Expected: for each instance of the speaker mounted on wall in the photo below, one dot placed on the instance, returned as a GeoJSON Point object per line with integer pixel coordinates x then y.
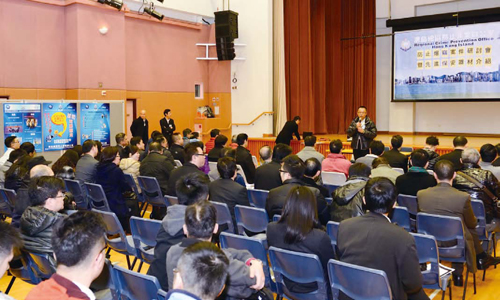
{"type": "Point", "coordinates": [226, 30]}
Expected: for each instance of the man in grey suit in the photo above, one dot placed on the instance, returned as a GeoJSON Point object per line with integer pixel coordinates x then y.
{"type": "Point", "coordinates": [445, 200]}
{"type": "Point", "coordinates": [309, 150]}
{"type": "Point", "coordinates": [376, 149]}
{"type": "Point", "coordinates": [86, 166]}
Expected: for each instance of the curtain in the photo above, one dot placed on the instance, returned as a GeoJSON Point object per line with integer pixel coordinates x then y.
{"type": "Point", "coordinates": [327, 78]}
{"type": "Point", "coordinates": [279, 86]}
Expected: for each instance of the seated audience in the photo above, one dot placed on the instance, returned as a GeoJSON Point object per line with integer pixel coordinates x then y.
{"type": "Point", "coordinates": [68, 159]}
{"type": "Point", "coordinates": [86, 166]}
{"type": "Point", "coordinates": [29, 148]}
{"type": "Point", "coordinates": [376, 150]}
{"type": "Point", "coordinates": [381, 168]}
{"type": "Point", "coordinates": [348, 199]}
{"type": "Point", "coordinates": [214, 174]}
{"type": "Point", "coordinates": [244, 157]}
{"type": "Point", "coordinates": [214, 133]}
{"type": "Point", "coordinates": [205, 168]}
{"type": "Point", "coordinates": [395, 158]}
{"type": "Point", "coordinates": [265, 154]}
{"type": "Point", "coordinates": [200, 223]}
{"type": "Point", "coordinates": [445, 200]}
{"type": "Point", "coordinates": [160, 139]}
{"type": "Point", "coordinates": [79, 150]}
{"type": "Point", "coordinates": [185, 136]}
{"type": "Point", "coordinates": [382, 245]}
{"type": "Point", "coordinates": [234, 142]}
{"type": "Point", "coordinates": [38, 160]}
{"type": "Point", "coordinates": [154, 134]}
{"type": "Point", "coordinates": [309, 151]}
{"type": "Point", "coordinates": [132, 165]}
{"type": "Point", "coordinates": [99, 150]}
{"type": "Point", "coordinates": [13, 157]}
{"type": "Point", "coordinates": [10, 241]}
{"type": "Point", "coordinates": [464, 182]}
{"type": "Point", "coordinates": [431, 144]}
{"type": "Point", "coordinates": [195, 159]}
{"type": "Point", "coordinates": [12, 143]}
{"type": "Point", "coordinates": [158, 166]}
{"type": "Point", "coordinates": [459, 143]}
{"type": "Point", "coordinates": [122, 145]}
{"type": "Point", "coordinates": [335, 161]}
{"type": "Point", "coordinates": [488, 155]}
{"type": "Point", "coordinates": [312, 176]}
{"type": "Point", "coordinates": [219, 143]}
{"type": "Point", "coordinates": [291, 172]}
{"type": "Point", "coordinates": [78, 244]}
{"type": "Point", "coordinates": [417, 177]}
{"type": "Point", "coordinates": [496, 162]}
{"type": "Point", "coordinates": [299, 230]}
{"type": "Point", "coordinates": [267, 176]}
{"type": "Point", "coordinates": [137, 141]}
{"type": "Point", "coordinates": [191, 188]}
{"type": "Point", "coordinates": [17, 175]}
{"type": "Point", "coordinates": [177, 147]}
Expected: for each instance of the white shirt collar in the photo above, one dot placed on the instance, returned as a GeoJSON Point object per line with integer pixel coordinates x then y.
{"type": "Point", "coordinates": [85, 290]}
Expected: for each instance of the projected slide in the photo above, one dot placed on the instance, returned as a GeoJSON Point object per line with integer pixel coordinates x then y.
{"type": "Point", "coordinates": [452, 63]}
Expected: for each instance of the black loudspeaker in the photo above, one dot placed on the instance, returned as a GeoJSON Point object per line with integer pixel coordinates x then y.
{"type": "Point", "coordinates": [226, 30]}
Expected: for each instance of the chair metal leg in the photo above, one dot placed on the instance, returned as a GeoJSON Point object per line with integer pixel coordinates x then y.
{"type": "Point", "coordinates": [145, 209]}
{"type": "Point", "coordinates": [140, 267]}
{"type": "Point", "coordinates": [128, 262]}
{"type": "Point", "coordinates": [107, 253]}
{"type": "Point", "coordinates": [442, 297]}
{"type": "Point", "coordinates": [11, 283]}
{"type": "Point", "coordinates": [133, 263]}
{"type": "Point", "coordinates": [466, 281]}
{"type": "Point", "coordinates": [484, 274]}
{"type": "Point", "coordinates": [450, 288]}
{"type": "Point", "coordinates": [474, 278]}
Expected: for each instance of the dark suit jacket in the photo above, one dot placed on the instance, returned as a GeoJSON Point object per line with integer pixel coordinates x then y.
{"type": "Point", "coordinates": [396, 159]}
{"type": "Point", "coordinates": [244, 159]}
{"type": "Point", "coordinates": [286, 134]}
{"type": "Point", "coordinates": [180, 172]}
{"type": "Point", "coordinates": [372, 241]}
{"type": "Point", "coordinates": [158, 166]}
{"type": "Point", "coordinates": [412, 182]}
{"type": "Point", "coordinates": [140, 128]}
{"type": "Point", "coordinates": [214, 154]}
{"type": "Point", "coordinates": [310, 182]}
{"type": "Point", "coordinates": [167, 128]}
{"type": "Point", "coordinates": [445, 200]}
{"type": "Point", "coordinates": [177, 152]}
{"type": "Point", "coordinates": [454, 157]}
{"type": "Point", "coordinates": [267, 177]}
{"type": "Point", "coordinates": [230, 192]}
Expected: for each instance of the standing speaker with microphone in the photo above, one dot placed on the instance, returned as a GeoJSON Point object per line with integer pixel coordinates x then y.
{"type": "Point", "coordinates": [226, 30]}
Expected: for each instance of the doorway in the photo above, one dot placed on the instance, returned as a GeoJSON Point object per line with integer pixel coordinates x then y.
{"type": "Point", "coordinates": [130, 115]}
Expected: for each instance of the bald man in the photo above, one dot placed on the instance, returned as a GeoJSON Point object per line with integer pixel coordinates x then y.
{"type": "Point", "coordinates": [140, 127]}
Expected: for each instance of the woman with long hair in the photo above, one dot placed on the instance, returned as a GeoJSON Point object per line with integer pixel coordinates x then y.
{"type": "Point", "coordinates": [299, 230]}
{"type": "Point", "coordinates": [18, 174]}
{"type": "Point", "coordinates": [69, 158]}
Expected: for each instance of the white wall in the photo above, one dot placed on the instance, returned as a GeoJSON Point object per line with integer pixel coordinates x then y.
{"type": "Point", "coordinates": [450, 117]}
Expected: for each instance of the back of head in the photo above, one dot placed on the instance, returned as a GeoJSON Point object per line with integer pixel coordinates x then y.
{"type": "Point", "coordinates": [72, 156]}
{"type": "Point", "coordinates": [14, 155]}
{"type": "Point", "coordinates": [294, 166]}
{"type": "Point", "coordinates": [460, 141]}
{"type": "Point", "coordinates": [281, 151]}
{"type": "Point", "coordinates": [43, 188]}
{"type": "Point", "coordinates": [336, 146]}
{"type": "Point", "coordinates": [377, 148]}
{"type": "Point", "coordinates": [190, 151]}
{"type": "Point", "coordinates": [203, 268]}
{"type": "Point", "coordinates": [8, 140]}
{"type": "Point", "coordinates": [119, 137]}
{"type": "Point", "coordinates": [214, 132]}
{"type": "Point", "coordinates": [154, 134]}
{"type": "Point", "coordinates": [310, 141]}
{"type": "Point", "coordinates": [220, 140]}
{"type": "Point", "coordinates": [312, 167]}
{"type": "Point", "coordinates": [226, 167]}
{"type": "Point", "coordinates": [234, 139]}
{"type": "Point", "coordinates": [432, 141]}
{"type": "Point", "coordinates": [419, 158]}
{"type": "Point", "coordinates": [136, 140]}
{"type": "Point", "coordinates": [133, 149]}
{"type": "Point", "coordinates": [28, 147]}
{"type": "Point", "coordinates": [186, 132]}
{"type": "Point", "coordinates": [379, 161]}
{"type": "Point", "coordinates": [296, 118]}
{"type": "Point", "coordinates": [192, 188]}
{"type": "Point", "coordinates": [359, 170]}
{"type": "Point", "coordinates": [380, 195]}
{"type": "Point", "coordinates": [79, 149]}
{"type": "Point", "coordinates": [155, 147]}
{"type": "Point", "coordinates": [265, 152]}
{"type": "Point", "coordinates": [109, 154]}
{"type": "Point", "coordinates": [194, 135]}
{"type": "Point", "coordinates": [200, 219]}
{"type": "Point", "coordinates": [228, 151]}
{"type": "Point", "coordinates": [88, 145]}
{"type": "Point", "coordinates": [176, 137]}
{"type": "Point", "coordinates": [9, 239]}
{"type": "Point", "coordinates": [241, 138]}
{"type": "Point", "coordinates": [75, 236]}
{"type": "Point", "coordinates": [40, 170]}
{"type": "Point", "coordinates": [300, 214]}
{"type": "Point", "coordinates": [470, 156]}
{"type": "Point", "coordinates": [444, 170]}
{"type": "Point", "coordinates": [488, 152]}
{"type": "Point", "coordinates": [159, 139]}
{"type": "Point", "coordinates": [396, 141]}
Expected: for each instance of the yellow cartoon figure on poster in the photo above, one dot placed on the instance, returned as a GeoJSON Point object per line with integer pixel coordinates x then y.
{"type": "Point", "coordinates": [59, 118]}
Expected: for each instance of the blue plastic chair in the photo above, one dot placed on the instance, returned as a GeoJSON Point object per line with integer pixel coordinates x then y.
{"type": "Point", "coordinates": [97, 197]}
{"type": "Point", "coordinates": [24, 272]}
{"type": "Point", "coordinates": [300, 268]}
{"type": "Point", "coordinates": [446, 229]}
{"type": "Point", "coordinates": [406, 149]}
{"type": "Point", "coordinates": [162, 295]}
{"type": "Point", "coordinates": [488, 238]}
{"type": "Point", "coordinates": [123, 244]}
{"type": "Point", "coordinates": [331, 188]}
{"type": "Point", "coordinates": [171, 200]}
{"type": "Point", "coordinates": [357, 282]}
{"type": "Point", "coordinates": [410, 202]}
{"type": "Point", "coordinates": [250, 219]}
{"type": "Point", "coordinates": [276, 218]}
{"type": "Point", "coordinates": [140, 197]}
{"type": "Point", "coordinates": [41, 265]}
{"type": "Point", "coordinates": [6, 204]}
{"type": "Point", "coordinates": [329, 200]}
{"type": "Point", "coordinates": [332, 229]}
{"type": "Point", "coordinates": [427, 251]}
{"type": "Point", "coordinates": [223, 216]}
{"type": "Point", "coordinates": [401, 217]}
{"type": "Point", "coordinates": [80, 194]}
{"type": "Point", "coordinates": [144, 234]}
{"type": "Point", "coordinates": [257, 198]}
{"type": "Point", "coordinates": [136, 286]}
{"type": "Point", "coordinates": [151, 191]}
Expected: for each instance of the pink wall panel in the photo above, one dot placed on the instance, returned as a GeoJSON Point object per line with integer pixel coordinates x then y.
{"type": "Point", "coordinates": [72, 70]}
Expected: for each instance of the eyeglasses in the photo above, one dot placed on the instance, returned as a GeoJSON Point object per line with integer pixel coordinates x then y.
{"type": "Point", "coordinates": [283, 171]}
{"type": "Point", "coordinates": [198, 154]}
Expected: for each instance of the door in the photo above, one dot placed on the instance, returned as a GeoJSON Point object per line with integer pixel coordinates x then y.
{"type": "Point", "coordinates": [130, 116]}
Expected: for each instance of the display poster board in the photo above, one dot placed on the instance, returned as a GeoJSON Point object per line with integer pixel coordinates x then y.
{"type": "Point", "coordinates": [95, 122]}
{"type": "Point", "coordinates": [24, 121]}
{"type": "Point", "coordinates": [59, 126]}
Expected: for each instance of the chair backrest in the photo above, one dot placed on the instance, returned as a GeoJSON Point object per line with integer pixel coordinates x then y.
{"type": "Point", "coordinates": [240, 171]}
{"type": "Point", "coordinates": [406, 149]}
{"type": "Point", "coordinates": [162, 295]}
{"type": "Point", "coordinates": [444, 229]}
{"type": "Point", "coordinates": [400, 170]}
{"type": "Point", "coordinates": [177, 163]}
{"type": "Point", "coordinates": [332, 229]}
{"type": "Point", "coordinates": [223, 215]}
{"type": "Point", "coordinates": [333, 178]}
{"type": "Point", "coordinates": [300, 268]}
{"type": "Point", "coordinates": [97, 197]}
{"type": "Point", "coordinates": [75, 188]}
{"type": "Point", "coordinates": [131, 182]}
{"type": "Point", "coordinates": [250, 218]}
{"type": "Point", "coordinates": [24, 270]}
{"type": "Point", "coordinates": [427, 251]}
{"type": "Point", "coordinates": [401, 217]}
{"type": "Point", "coordinates": [113, 228]}
{"type": "Point", "coordinates": [410, 202]}
{"type": "Point", "coordinates": [387, 148]}
{"type": "Point", "coordinates": [257, 198]}
{"type": "Point", "coordinates": [10, 195]}
{"type": "Point", "coordinates": [41, 265]}
{"type": "Point", "coordinates": [151, 190]}
{"type": "Point", "coordinates": [329, 200]}
{"type": "Point", "coordinates": [331, 188]}
{"type": "Point", "coordinates": [255, 161]}
{"type": "Point", "coordinates": [6, 206]}
{"type": "Point", "coordinates": [171, 200]}
{"type": "Point", "coordinates": [133, 285]}
{"type": "Point", "coordinates": [479, 212]}
{"type": "Point", "coordinates": [212, 165]}
{"type": "Point", "coordinates": [144, 231]}
{"type": "Point", "coordinates": [276, 218]}
{"type": "Point", "coordinates": [346, 278]}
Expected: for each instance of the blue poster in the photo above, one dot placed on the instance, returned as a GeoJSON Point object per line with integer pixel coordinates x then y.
{"type": "Point", "coordinates": [94, 120]}
{"type": "Point", "coordinates": [24, 121]}
{"type": "Point", "coordinates": [59, 126]}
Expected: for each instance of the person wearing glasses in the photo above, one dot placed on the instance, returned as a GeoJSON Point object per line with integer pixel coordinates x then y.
{"type": "Point", "coordinates": [12, 143]}
{"type": "Point", "coordinates": [194, 161]}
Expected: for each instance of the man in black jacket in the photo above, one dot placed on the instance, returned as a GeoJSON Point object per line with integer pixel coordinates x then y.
{"type": "Point", "coordinates": [312, 176]}
{"type": "Point", "coordinates": [167, 125]}
{"type": "Point", "coordinates": [290, 128]}
{"type": "Point", "coordinates": [395, 158]}
{"type": "Point", "coordinates": [244, 157]}
{"type": "Point", "coordinates": [417, 177]}
{"type": "Point", "coordinates": [140, 127]}
{"type": "Point", "coordinates": [195, 159]}
{"type": "Point", "coordinates": [158, 166]}
{"type": "Point", "coordinates": [267, 176]}
{"type": "Point", "coordinates": [177, 147]}
{"type": "Point", "coordinates": [362, 131]}
{"type": "Point", "coordinates": [459, 143]}
{"type": "Point", "coordinates": [219, 144]}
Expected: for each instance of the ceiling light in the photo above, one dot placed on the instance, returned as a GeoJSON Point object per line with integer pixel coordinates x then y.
{"type": "Point", "coordinates": [118, 4]}
{"type": "Point", "coordinates": [152, 12]}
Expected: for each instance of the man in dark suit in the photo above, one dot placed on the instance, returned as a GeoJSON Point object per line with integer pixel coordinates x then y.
{"type": "Point", "coordinates": [459, 143]}
{"type": "Point", "coordinates": [219, 144]}
{"type": "Point", "coordinates": [312, 175]}
{"type": "Point", "coordinates": [395, 158]}
{"type": "Point", "coordinates": [267, 176]}
{"type": "Point", "coordinates": [362, 131]}
{"type": "Point", "coordinates": [122, 144]}
{"type": "Point", "coordinates": [177, 147]}
{"type": "Point", "coordinates": [158, 166]}
{"type": "Point", "coordinates": [417, 177]}
{"type": "Point", "coordinates": [225, 189]}
{"type": "Point", "coordinates": [290, 128]}
{"type": "Point", "coordinates": [167, 126]}
{"type": "Point", "coordinates": [244, 157]}
{"type": "Point", "coordinates": [140, 127]}
{"type": "Point", "coordinates": [382, 245]}
{"type": "Point", "coordinates": [445, 200]}
{"type": "Point", "coordinates": [194, 160]}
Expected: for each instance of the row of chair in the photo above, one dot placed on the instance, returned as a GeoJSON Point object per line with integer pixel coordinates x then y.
{"type": "Point", "coordinates": [7, 201]}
